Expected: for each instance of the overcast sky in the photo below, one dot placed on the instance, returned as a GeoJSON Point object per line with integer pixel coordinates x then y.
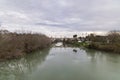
{"type": "Point", "coordinates": [60, 17]}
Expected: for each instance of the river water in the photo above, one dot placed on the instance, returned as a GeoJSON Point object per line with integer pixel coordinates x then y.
{"type": "Point", "coordinates": [63, 63]}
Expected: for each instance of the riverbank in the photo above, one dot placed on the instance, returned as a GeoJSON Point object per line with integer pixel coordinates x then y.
{"type": "Point", "coordinates": [109, 42]}
{"type": "Point", "coordinates": [115, 47]}
{"type": "Point", "coordinates": [79, 44]}
{"type": "Point", "coordinates": [15, 45]}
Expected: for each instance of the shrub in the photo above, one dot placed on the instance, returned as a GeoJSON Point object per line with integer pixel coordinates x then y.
{"type": "Point", "coordinates": [14, 45]}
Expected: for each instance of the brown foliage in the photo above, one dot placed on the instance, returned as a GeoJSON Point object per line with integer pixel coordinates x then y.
{"type": "Point", "coordinates": [110, 43]}
{"type": "Point", "coordinates": [114, 36]}
{"type": "Point", "coordinates": [13, 45]}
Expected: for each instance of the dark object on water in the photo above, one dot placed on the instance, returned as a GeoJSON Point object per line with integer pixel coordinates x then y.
{"type": "Point", "coordinates": [74, 50]}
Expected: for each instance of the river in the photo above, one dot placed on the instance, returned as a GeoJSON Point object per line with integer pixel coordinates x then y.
{"type": "Point", "coordinates": [63, 63]}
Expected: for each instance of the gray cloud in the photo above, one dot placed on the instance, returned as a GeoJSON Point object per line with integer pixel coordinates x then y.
{"type": "Point", "coordinates": [66, 15]}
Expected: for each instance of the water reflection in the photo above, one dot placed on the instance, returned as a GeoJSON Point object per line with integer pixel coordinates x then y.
{"type": "Point", "coordinates": [100, 57]}
{"type": "Point", "coordinates": [63, 63]}
{"type": "Point", "coordinates": [17, 69]}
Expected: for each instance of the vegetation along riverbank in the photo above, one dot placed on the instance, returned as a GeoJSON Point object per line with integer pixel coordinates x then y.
{"type": "Point", "coordinates": [109, 42]}
{"type": "Point", "coordinates": [14, 45]}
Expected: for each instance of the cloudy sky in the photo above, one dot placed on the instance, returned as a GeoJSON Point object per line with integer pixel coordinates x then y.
{"type": "Point", "coordinates": [60, 17]}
